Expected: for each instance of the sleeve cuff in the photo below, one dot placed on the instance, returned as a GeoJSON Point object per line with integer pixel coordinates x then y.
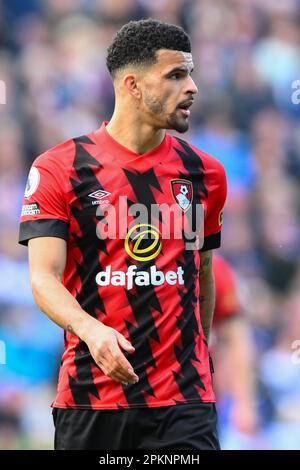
{"type": "Point", "coordinates": [211, 242]}
{"type": "Point", "coordinates": [42, 228]}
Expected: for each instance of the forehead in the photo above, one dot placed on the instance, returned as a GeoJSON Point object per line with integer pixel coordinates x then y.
{"type": "Point", "coordinates": [167, 58]}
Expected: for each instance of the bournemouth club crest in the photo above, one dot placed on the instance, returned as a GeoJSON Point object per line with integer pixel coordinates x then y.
{"type": "Point", "coordinates": [183, 193]}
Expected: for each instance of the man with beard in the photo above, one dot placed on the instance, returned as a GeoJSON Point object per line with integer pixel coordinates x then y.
{"type": "Point", "coordinates": [135, 373]}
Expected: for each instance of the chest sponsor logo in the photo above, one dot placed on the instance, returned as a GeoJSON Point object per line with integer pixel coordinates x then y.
{"type": "Point", "coordinates": [142, 243]}
{"type": "Point", "coordinates": [132, 276]}
{"type": "Point", "coordinates": [183, 193]}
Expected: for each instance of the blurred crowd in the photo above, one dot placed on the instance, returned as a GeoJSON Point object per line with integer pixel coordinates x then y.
{"type": "Point", "coordinates": [247, 57]}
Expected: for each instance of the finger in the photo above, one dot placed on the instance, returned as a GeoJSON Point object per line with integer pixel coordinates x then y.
{"type": "Point", "coordinates": [122, 365]}
{"type": "Point", "coordinates": [106, 371]}
{"type": "Point", "coordinates": [130, 376]}
{"type": "Point", "coordinates": [119, 360]}
{"type": "Point", "coordinates": [114, 374]}
{"type": "Point", "coordinates": [112, 358]}
{"type": "Point", "coordinates": [124, 343]}
{"type": "Point", "coordinates": [119, 378]}
{"type": "Point", "coordinates": [110, 364]}
{"type": "Point", "coordinates": [117, 365]}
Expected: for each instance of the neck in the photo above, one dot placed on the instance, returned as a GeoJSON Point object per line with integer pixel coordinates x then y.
{"type": "Point", "coordinates": [133, 134]}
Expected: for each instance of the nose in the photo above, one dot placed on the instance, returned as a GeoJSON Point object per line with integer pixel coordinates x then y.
{"type": "Point", "coordinates": [191, 87]}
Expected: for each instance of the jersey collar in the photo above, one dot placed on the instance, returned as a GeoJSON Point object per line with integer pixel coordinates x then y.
{"type": "Point", "coordinates": [122, 153]}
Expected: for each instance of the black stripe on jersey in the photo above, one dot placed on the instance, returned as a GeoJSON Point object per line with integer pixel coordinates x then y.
{"type": "Point", "coordinates": [83, 384]}
{"type": "Point", "coordinates": [188, 326]}
{"type": "Point", "coordinates": [42, 228]}
{"type": "Point", "coordinates": [141, 185]}
{"type": "Point", "coordinates": [195, 168]}
{"type": "Point", "coordinates": [195, 173]}
{"type": "Point", "coordinates": [187, 321]}
{"type": "Point", "coordinates": [88, 297]}
{"type": "Point", "coordinates": [87, 241]}
{"type": "Point", "coordinates": [143, 300]}
{"type": "Point", "coordinates": [192, 161]}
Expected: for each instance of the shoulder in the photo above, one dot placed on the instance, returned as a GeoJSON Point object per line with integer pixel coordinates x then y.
{"type": "Point", "coordinates": [59, 156]}
{"type": "Point", "coordinates": [208, 161]}
{"type": "Point", "coordinates": [53, 167]}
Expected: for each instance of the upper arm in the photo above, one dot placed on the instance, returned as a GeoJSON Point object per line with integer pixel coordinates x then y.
{"type": "Point", "coordinates": [47, 255]}
{"type": "Point", "coordinates": [44, 221]}
{"type": "Point", "coordinates": [45, 206]}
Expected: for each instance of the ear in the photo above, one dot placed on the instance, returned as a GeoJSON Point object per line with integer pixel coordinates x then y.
{"type": "Point", "coordinates": [132, 86]}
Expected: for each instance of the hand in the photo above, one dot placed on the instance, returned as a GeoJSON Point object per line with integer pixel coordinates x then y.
{"type": "Point", "coordinates": [244, 418]}
{"type": "Point", "coordinates": [104, 344]}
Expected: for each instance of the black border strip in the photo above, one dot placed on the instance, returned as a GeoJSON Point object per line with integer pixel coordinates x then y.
{"type": "Point", "coordinates": [211, 242]}
{"type": "Point", "coordinates": [42, 228]}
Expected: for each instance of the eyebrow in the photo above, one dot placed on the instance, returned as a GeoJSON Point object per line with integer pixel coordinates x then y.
{"type": "Point", "coordinates": [180, 69]}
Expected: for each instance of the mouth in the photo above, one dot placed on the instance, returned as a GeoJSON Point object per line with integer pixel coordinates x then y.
{"type": "Point", "coordinates": [184, 107]}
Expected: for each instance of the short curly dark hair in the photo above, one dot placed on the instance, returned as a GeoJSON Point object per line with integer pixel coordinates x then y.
{"type": "Point", "coordinates": [137, 42]}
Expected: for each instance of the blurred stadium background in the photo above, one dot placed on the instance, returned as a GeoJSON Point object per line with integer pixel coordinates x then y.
{"type": "Point", "coordinates": [247, 56]}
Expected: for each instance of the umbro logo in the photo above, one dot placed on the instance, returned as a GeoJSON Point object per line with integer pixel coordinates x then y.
{"type": "Point", "coordinates": [99, 196]}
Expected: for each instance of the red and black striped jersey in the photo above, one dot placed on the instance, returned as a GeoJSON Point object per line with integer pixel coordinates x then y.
{"type": "Point", "coordinates": [137, 275]}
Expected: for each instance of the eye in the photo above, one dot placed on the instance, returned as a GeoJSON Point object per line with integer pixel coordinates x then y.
{"type": "Point", "coordinates": [176, 76]}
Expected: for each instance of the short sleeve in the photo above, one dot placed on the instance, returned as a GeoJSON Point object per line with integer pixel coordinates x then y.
{"type": "Point", "coordinates": [213, 219]}
{"type": "Point", "coordinates": [44, 210]}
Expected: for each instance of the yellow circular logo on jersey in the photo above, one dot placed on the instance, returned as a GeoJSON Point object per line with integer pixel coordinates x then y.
{"type": "Point", "coordinates": [142, 242]}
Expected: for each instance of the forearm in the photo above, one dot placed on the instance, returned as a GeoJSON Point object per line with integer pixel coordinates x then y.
{"type": "Point", "coordinates": [234, 333]}
{"type": "Point", "coordinates": [47, 261]}
{"type": "Point", "coordinates": [60, 306]}
{"type": "Point", "coordinates": [241, 360]}
{"type": "Point", "coordinates": [207, 291]}
{"type": "Point", "coordinates": [207, 303]}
